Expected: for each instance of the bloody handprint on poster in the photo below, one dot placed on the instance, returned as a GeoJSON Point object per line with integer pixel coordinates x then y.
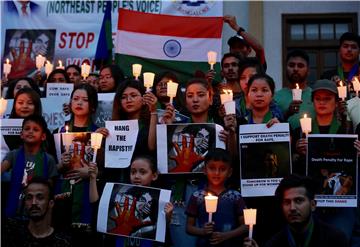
{"type": "Point", "coordinates": [182, 147]}
{"type": "Point", "coordinates": [133, 211]}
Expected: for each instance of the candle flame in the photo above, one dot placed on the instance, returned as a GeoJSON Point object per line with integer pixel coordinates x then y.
{"type": "Point", "coordinates": [305, 115]}
{"type": "Point", "coordinates": [47, 62]}
{"type": "Point", "coordinates": [341, 84]}
{"type": "Point", "coordinates": [356, 79]}
{"type": "Point", "coordinates": [67, 129]}
{"type": "Point", "coordinates": [60, 63]}
{"type": "Point", "coordinates": [7, 61]}
{"type": "Point", "coordinates": [297, 86]}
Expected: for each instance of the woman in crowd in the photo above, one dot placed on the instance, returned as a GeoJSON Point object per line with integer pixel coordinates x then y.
{"type": "Point", "coordinates": [110, 77]}
{"type": "Point", "coordinates": [74, 73]}
{"type": "Point", "coordinates": [20, 83]}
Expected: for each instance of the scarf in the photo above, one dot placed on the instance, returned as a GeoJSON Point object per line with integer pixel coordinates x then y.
{"type": "Point", "coordinates": [334, 127]}
{"type": "Point", "coordinates": [17, 174]}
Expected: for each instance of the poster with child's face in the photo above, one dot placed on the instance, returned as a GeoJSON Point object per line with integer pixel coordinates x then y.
{"type": "Point", "coordinates": [134, 211]}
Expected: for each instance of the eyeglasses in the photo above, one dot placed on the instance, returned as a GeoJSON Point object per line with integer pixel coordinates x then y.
{"type": "Point", "coordinates": [130, 97]}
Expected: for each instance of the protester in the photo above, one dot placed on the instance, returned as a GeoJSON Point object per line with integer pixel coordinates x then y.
{"type": "Point", "coordinates": [110, 78]}
{"type": "Point", "coordinates": [20, 83]}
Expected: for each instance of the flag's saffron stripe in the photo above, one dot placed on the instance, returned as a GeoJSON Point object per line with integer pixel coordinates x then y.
{"type": "Point", "coordinates": [157, 24]}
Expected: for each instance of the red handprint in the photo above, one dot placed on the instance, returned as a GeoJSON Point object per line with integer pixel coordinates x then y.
{"type": "Point", "coordinates": [126, 221]}
{"type": "Point", "coordinates": [185, 158]}
{"type": "Point", "coordinates": [22, 63]}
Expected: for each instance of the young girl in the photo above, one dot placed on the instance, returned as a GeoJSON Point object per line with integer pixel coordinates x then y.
{"type": "Point", "coordinates": [132, 103]}
{"type": "Point", "coordinates": [143, 171]}
{"type": "Point", "coordinates": [110, 77]}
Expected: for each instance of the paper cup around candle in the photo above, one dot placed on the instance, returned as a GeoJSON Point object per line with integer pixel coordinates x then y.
{"type": "Point", "coordinates": [305, 123]}
{"type": "Point", "coordinates": [230, 107]}
{"type": "Point", "coordinates": [67, 139]}
{"type": "Point", "coordinates": [96, 139]}
{"type": "Point", "coordinates": [172, 89]}
{"type": "Point", "coordinates": [296, 93]}
{"type": "Point", "coordinates": [212, 58]}
{"type": "Point", "coordinates": [250, 216]}
{"type": "Point", "coordinates": [148, 80]}
{"type": "Point", "coordinates": [356, 84]}
{"type": "Point", "coordinates": [7, 67]}
{"type": "Point", "coordinates": [3, 105]}
{"type": "Point", "coordinates": [48, 68]}
{"type": "Point", "coordinates": [85, 70]}
{"type": "Point", "coordinates": [342, 91]}
{"type": "Point", "coordinates": [211, 203]}
{"type": "Point", "coordinates": [136, 69]}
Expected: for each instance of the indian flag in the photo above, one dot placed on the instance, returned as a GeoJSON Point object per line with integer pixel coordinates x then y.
{"type": "Point", "coordinates": [166, 42]}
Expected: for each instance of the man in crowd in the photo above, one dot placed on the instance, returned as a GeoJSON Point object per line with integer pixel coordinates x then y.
{"type": "Point", "coordinates": [296, 195]}
{"type": "Point", "coordinates": [297, 71]}
{"type": "Point", "coordinates": [37, 230]}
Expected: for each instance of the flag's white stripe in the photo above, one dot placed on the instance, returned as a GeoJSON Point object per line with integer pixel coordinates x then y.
{"type": "Point", "coordinates": [152, 46]}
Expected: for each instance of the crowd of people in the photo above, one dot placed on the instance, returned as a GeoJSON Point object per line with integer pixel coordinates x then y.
{"type": "Point", "coordinates": [48, 201]}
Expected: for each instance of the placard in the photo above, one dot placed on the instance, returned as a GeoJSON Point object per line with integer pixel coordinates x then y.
{"type": "Point", "coordinates": [181, 148]}
{"type": "Point", "coordinates": [104, 110]}
{"type": "Point", "coordinates": [133, 211]}
{"type": "Point", "coordinates": [262, 164]}
{"type": "Point", "coordinates": [332, 162]}
{"type": "Point", "coordinates": [59, 90]}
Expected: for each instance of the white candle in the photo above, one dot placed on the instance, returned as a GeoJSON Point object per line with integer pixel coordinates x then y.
{"type": "Point", "coordinates": [148, 80]}
{"type": "Point", "coordinates": [296, 93]}
{"type": "Point", "coordinates": [60, 65]}
{"type": "Point", "coordinates": [7, 68]}
{"type": "Point", "coordinates": [67, 138]}
{"type": "Point", "coordinates": [305, 123]}
{"type": "Point", "coordinates": [136, 69]}
{"type": "Point", "coordinates": [85, 70]}
{"type": "Point", "coordinates": [48, 68]}
{"type": "Point", "coordinates": [171, 90]}
{"type": "Point", "coordinates": [250, 219]}
{"type": "Point", "coordinates": [356, 84]}
{"type": "Point", "coordinates": [40, 60]}
{"type": "Point", "coordinates": [3, 105]}
{"type": "Point", "coordinates": [96, 139]}
{"type": "Point", "coordinates": [342, 91]}
{"type": "Point", "coordinates": [226, 96]}
{"type": "Point", "coordinates": [211, 59]}
{"type": "Point", "coordinates": [211, 205]}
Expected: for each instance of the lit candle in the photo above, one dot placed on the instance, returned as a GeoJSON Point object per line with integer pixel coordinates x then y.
{"type": "Point", "coordinates": [96, 139]}
{"type": "Point", "coordinates": [85, 70]}
{"type": "Point", "coordinates": [211, 205]}
{"type": "Point", "coordinates": [48, 68]}
{"type": "Point", "coordinates": [250, 219]}
{"type": "Point", "coordinates": [296, 93]}
{"type": "Point", "coordinates": [305, 123]}
{"type": "Point", "coordinates": [7, 68]}
{"type": "Point", "coordinates": [148, 80]}
{"type": "Point", "coordinates": [67, 138]}
{"type": "Point", "coordinates": [136, 69]}
{"type": "Point", "coordinates": [40, 60]}
{"type": "Point", "coordinates": [342, 91]}
{"type": "Point", "coordinates": [3, 105]}
{"type": "Point", "coordinates": [226, 96]}
{"type": "Point", "coordinates": [211, 59]}
{"type": "Point", "coordinates": [356, 84]}
{"type": "Point", "coordinates": [60, 65]}
{"type": "Point", "coordinates": [171, 90]}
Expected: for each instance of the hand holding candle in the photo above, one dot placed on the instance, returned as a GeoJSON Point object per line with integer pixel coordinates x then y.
{"type": "Point", "coordinates": [296, 93]}
{"type": "Point", "coordinates": [211, 205]}
{"type": "Point", "coordinates": [171, 90]}
{"type": "Point", "coordinates": [40, 60]}
{"type": "Point", "coordinates": [96, 139]}
{"type": "Point", "coordinates": [136, 69]}
{"type": "Point", "coordinates": [212, 59]}
{"type": "Point", "coordinates": [148, 80]}
{"type": "Point", "coordinates": [342, 91]}
{"type": "Point", "coordinates": [250, 219]}
{"type": "Point", "coordinates": [305, 124]}
{"type": "Point", "coordinates": [7, 68]}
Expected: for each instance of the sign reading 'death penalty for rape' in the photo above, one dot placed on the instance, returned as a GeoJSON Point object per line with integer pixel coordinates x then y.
{"type": "Point", "coordinates": [120, 144]}
{"type": "Point", "coordinates": [332, 160]}
{"type": "Point", "coordinates": [265, 158]}
{"type": "Point", "coordinates": [181, 148]}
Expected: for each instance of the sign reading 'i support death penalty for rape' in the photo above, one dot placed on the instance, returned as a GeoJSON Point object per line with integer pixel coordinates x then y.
{"type": "Point", "coordinates": [120, 144]}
